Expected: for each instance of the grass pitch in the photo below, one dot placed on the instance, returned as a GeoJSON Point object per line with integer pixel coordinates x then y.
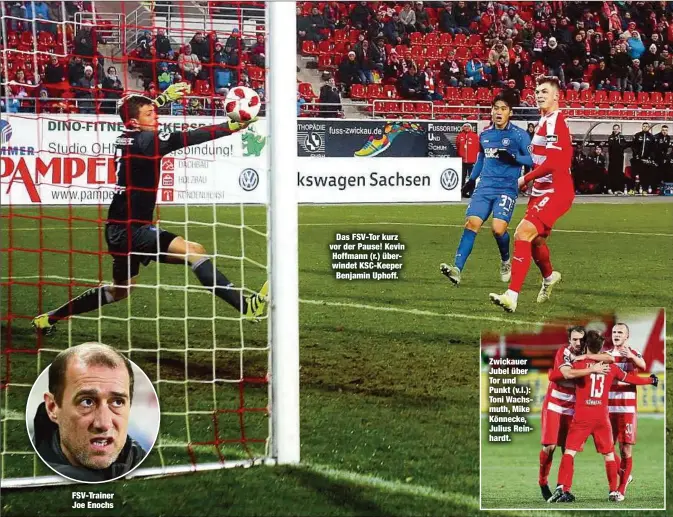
{"type": "Point", "coordinates": [509, 472]}
{"type": "Point", "coordinates": [389, 370]}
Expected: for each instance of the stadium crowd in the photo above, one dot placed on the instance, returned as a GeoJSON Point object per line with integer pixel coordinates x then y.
{"type": "Point", "coordinates": [433, 51]}
{"type": "Point", "coordinates": [69, 73]}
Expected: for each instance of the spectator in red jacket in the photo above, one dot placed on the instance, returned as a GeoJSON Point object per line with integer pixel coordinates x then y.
{"type": "Point", "coordinates": [467, 143]}
{"type": "Point", "coordinates": [257, 55]}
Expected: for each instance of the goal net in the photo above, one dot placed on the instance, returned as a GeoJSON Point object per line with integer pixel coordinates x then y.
{"type": "Point", "coordinates": [211, 369]}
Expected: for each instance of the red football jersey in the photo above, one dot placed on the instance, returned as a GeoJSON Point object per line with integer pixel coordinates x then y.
{"type": "Point", "coordinates": [623, 396]}
{"type": "Point", "coordinates": [552, 143]}
{"type": "Point", "coordinates": [591, 392]}
{"type": "Point", "coordinates": [560, 396]}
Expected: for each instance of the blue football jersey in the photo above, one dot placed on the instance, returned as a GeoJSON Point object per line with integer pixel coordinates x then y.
{"type": "Point", "coordinates": [495, 173]}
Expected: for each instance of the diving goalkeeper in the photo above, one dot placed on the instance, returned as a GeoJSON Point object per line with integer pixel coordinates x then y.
{"type": "Point", "coordinates": [131, 237]}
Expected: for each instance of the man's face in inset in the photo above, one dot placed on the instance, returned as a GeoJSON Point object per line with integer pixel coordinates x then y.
{"type": "Point", "coordinates": [575, 341]}
{"type": "Point", "coordinates": [620, 335]}
{"type": "Point", "coordinates": [94, 413]}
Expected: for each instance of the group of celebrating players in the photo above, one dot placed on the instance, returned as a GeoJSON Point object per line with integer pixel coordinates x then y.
{"type": "Point", "coordinates": [591, 392]}
{"type": "Point", "coordinates": [504, 150]}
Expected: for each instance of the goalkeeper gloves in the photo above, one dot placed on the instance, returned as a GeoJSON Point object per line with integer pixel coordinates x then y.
{"type": "Point", "coordinates": [655, 380]}
{"type": "Point", "coordinates": [237, 126]}
{"type": "Point", "coordinates": [173, 93]}
{"type": "Point", "coordinates": [507, 157]}
{"type": "Point", "coordinates": [468, 188]}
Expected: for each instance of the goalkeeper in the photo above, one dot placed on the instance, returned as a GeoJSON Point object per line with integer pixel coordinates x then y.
{"type": "Point", "coordinates": [131, 237]}
{"type": "Point", "coordinates": [503, 149]}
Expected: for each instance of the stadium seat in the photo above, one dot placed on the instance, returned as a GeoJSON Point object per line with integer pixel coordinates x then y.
{"type": "Point", "coordinates": [340, 35]}
{"type": "Point", "coordinates": [614, 97]}
{"type": "Point", "coordinates": [308, 48]}
{"type": "Point", "coordinates": [452, 93]}
{"type": "Point", "coordinates": [306, 91]}
{"type": "Point", "coordinates": [643, 98]}
{"type": "Point", "coordinates": [431, 38]}
{"type": "Point", "coordinates": [668, 99]}
{"type": "Point", "coordinates": [256, 73]}
{"type": "Point", "coordinates": [416, 38]}
{"type": "Point", "coordinates": [390, 91]}
{"type": "Point", "coordinates": [601, 96]}
{"type": "Point", "coordinates": [587, 96]}
{"type": "Point", "coordinates": [656, 98]}
{"type": "Point", "coordinates": [326, 62]}
{"type": "Point", "coordinates": [445, 39]}
{"type": "Point", "coordinates": [629, 98]}
{"type": "Point", "coordinates": [353, 35]}
{"type": "Point", "coordinates": [202, 87]}
{"type": "Point", "coordinates": [572, 96]}
{"type": "Point", "coordinates": [325, 47]}
{"type": "Point", "coordinates": [388, 108]}
{"type": "Point", "coordinates": [460, 40]}
{"type": "Point", "coordinates": [468, 96]}
{"type": "Point", "coordinates": [474, 40]}
{"type": "Point", "coordinates": [432, 52]}
{"type": "Point", "coordinates": [375, 91]}
{"type": "Point", "coordinates": [417, 53]}
{"type": "Point", "coordinates": [358, 92]}
{"type": "Point", "coordinates": [484, 96]}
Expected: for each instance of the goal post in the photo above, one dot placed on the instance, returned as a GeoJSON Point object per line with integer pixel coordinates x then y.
{"type": "Point", "coordinates": [283, 232]}
{"type": "Point", "coordinates": [228, 390]}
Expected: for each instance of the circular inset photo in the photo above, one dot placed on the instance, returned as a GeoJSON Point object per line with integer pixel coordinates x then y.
{"type": "Point", "coordinates": [92, 415]}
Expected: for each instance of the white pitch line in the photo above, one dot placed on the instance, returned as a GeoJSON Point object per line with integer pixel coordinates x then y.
{"type": "Point", "coordinates": [419, 312]}
{"type": "Point", "coordinates": [381, 223]}
{"type": "Point", "coordinates": [396, 487]}
{"type": "Point", "coordinates": [443, 225]}
{"type": "Point", "coordinates": [415, 312]}
{"type": "Point", "coordinates": [413, 490]}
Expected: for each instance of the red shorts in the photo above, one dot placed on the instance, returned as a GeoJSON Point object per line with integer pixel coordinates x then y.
{"type": "Point", "coordinates": [601, 430]}
{"type": "Point", "coordinates": [624, 427]}
{"type": "Point", "coordinates": [543, 211]}
{"type": "Point", "coordinates": [554, 427]}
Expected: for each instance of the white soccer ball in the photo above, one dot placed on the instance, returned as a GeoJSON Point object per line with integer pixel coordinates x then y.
{"type": "Point", "coordinates": [242, 104]}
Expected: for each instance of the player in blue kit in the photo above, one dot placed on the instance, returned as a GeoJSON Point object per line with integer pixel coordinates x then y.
{"type": "Point", "coordinates": [503, 149]}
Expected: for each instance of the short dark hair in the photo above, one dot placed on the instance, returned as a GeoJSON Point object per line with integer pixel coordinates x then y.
{"type": "Point", "coordinates": [622, 324]}
{"type": "Point", "coordinates": [594, 341]}
{"type": "Point", "coordinates": [506, 97]}
{"type": "Point", "coordinates": [92, 354]}
{"type": "Point", "coordinates": [576, 328]}
{"type": "Point", "coordinates": [549, 79]}
{"type": "Point", "coordinates": [664, 126]}
{"type": "Point", "coordinates": [129, 106]}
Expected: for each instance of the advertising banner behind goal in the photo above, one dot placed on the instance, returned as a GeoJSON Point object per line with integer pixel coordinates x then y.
{"type": "Point", "coordinates": [59, 161]}
{"type": "Point", "coordinates": [384, 180]}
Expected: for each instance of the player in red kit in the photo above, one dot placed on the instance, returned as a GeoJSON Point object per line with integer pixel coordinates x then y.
{"type": "Point", "coordinates": [552, 196]}
{"type": "Point", "coordinates": [559, 403]}
{"type": "Point", "coordinates": [591, 419]}
{"type": "Point", "coordinates": [623, 403]}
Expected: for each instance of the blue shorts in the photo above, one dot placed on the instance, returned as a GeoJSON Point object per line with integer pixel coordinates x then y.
{"type": "Point", "coordinates": [484, 203]}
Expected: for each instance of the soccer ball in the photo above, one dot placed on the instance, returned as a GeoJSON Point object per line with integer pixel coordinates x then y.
{"type": "Point", "coordinates": [242, 104]}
